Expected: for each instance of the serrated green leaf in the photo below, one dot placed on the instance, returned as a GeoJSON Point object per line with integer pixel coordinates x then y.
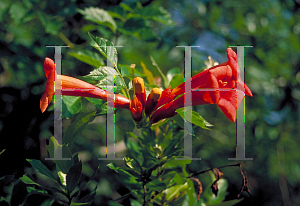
{"type": "Point", "coordinates": [75, 129]}
{"type": "Point", "coordinates": [63, 165]}
{"type": "Point", "coordinates": [73, 176]}
{"type": "Point", "coordinates": [193, 117]}
{"type": "Point", "coordinates": [101, 73]}
{"type": "Point", "coordinates": [105, 47]}
{"type": "Point", "coordinates": [99, 16]}
{"type": "Point", "coordinates": [38, 166]}
{"type": "Point", "coordinates": [70, 106]}
{"type": "Point", "coordinates": [88, 57]}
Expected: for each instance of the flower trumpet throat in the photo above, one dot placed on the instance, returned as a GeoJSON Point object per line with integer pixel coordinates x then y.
{"type": "Point", "coordinates": [75, 87]}
{"type": "Point", "coordinates": [152, 100]}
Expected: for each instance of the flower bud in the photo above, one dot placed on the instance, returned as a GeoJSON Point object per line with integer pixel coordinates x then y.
{"type": "Point", "coordinates": [152, 100]}
{"type": "Point", "coordinates": [136, 109]}
{"type": "Point", "coordinates": [139, 89]}
{"type": "Point", "coordinates": [138, 85]}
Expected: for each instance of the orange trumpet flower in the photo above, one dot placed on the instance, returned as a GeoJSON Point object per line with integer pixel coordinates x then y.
{"type": "Point", "coordinates": [222, 76]}
{"type": "Point", "coordinates": [84, 89]}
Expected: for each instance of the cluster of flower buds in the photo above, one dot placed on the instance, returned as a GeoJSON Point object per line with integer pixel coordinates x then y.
{"type": "Point", "coordinates": [139, 105]}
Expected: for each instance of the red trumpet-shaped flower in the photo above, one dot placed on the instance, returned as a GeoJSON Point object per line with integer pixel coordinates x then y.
{"type": "Point", "coordinates": [75, 87]}
{"type": "Point", "coordinates": [222, 76]}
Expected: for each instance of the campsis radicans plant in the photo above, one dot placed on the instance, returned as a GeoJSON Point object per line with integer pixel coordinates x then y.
{"type": "Point", "coordinates": [162, 104]}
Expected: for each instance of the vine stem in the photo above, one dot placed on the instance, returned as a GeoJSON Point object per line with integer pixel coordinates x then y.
{"type": "Point", "coordinates": [144, 188]}
{"type": "Point", "coordinates": [198, 173]}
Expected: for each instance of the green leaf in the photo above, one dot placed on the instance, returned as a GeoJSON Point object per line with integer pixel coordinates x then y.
{"type": "Point", "coordinates": [126, 174]}
{"type": "Point", "coordinates": [121, 170]}
{"type": "Point", "coordinates": [126, 7]}
{"type": "Point", "coordinates": [178, 120]}
{"type": "Point", "coordinates": [101, 73]}
{"type": "Point", "coordinates": [166, 82]}
{"type": "Point", "coordinates": [171, 163]}
{"type": "Point", "coordinates": [17, 12]}
{"type": "Point", "coordinates": [158, 14]}
{"type": "Point", "coordinates": [104, 46]}
{"type": "Point", "coordinates": [71, 106]}
{"type": "Point", "coordinates": [164, 18]}
{"type": "Point", "coordinates": [4, 5]}
{"type": "Point", "coordinates": [63, 165]}
{"type": "Point", "coordinates": [34, 190]}
{"type": "Point", "coordinates": [53, 26]}
{"type": "Point", "coordinates": [73, 176]}
{"type": "Point", "coordinates": [175, 191]}
{"type": "Point", "coordinates": [156, 185]}
{"type": "Point", "coordinates": [194, 117]}
{"type": "Point", "coordinates": [135, 203]}
{"type": "Point", "coordinates": [97, 102]}
{"type": "Point", "coordinates": [116, 15]}
{"type": "Point", "coordinates": [75, 129]}
{"type": "Point", "coordinates": [172, 72]}
{"type": "Point", "coordinates": [191, 198]}
{"type": "Point", "coordinates": [177, 80]}
{"type": "Point", "coordinates": [222, 186]}
{"type": "Point", "coordinates": [62, 177]}
{"type": "Point", "coordinates": [38, 166]}
{"type": "Point", "coordinates": [88, 57]}
{"type": "Point", "coordinates": [99, 16]}
{"type": "Point", "coordinates": [80, 203]}
{"type": "Point", "coordinates": [48, 202]}
{"type": "Point", "coordinates": [28, 181]}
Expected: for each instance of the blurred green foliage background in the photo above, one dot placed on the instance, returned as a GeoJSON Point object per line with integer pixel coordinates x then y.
{"type": "Point", "coordinates": [155, 28]}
